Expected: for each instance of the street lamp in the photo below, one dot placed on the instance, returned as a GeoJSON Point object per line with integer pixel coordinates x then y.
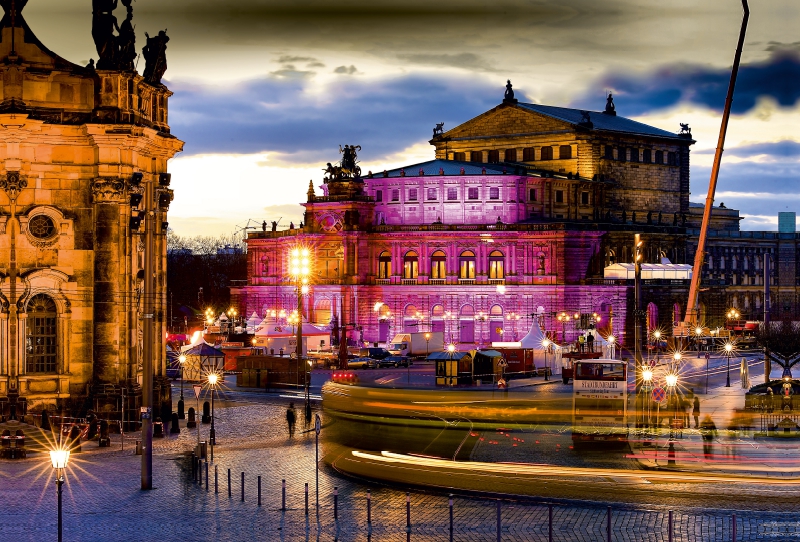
{"type": "Point", "coordinates": [427, 340]}
{"type": "Point", "coordinates": [698, 331]}
{"type": "Point", "coordinates": [612, 344]}
{"type": "Point", "coordinates": [182, 361]}
{"type": "Point", "coordinates": [59, 458]}
{"type": "Point", "coordinates": [546, 344]}
{"type": "Point", "coordinates": [212, 435]}
{"type": "Point", "coordinates": [728, 349]}
{"type": "Point", "coordinates": [647, 378]}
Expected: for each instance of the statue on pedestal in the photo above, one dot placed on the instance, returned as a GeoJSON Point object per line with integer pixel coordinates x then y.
{"type": "Point", "coordinates": [155, 56]}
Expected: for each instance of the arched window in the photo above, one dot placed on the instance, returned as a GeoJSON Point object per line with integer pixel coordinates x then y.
{"type": "Point", "coordinates": [494, 156]}
{"type": "Point", "coordinates": [466, 267]}
{"type": "Point", "coordinates": [410, 265]}
{"type": "Point", "coordinates": [611, 257]}
{"type": "Point", "coordinates": [511, 155]}
{"type": "Point", "coordinates": [384, 265]}
{"type": "Point", "coordinates": [41, 339]}
{"type": "Point", "coordinates": [547, 153]}
{"type": "Point", "coordinates": [528, 154]}
{"type": "Point", "coordinates": [496, 265]}
{"type": "Point", "coordinates": [438, 265]}
{"type": "Point", "coordinates": [565, 152]}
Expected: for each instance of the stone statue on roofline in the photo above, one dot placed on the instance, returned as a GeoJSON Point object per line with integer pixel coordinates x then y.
{"type": "Point", "coordinates": [155, 57]}
{"type": "Point", "coordinates": [611, 109]}
{"type": "Point", "coordinates": [348, 166]}
{"type": "Point", "coordinates": [508, 97]}
{"type": "Point", "coordinates": [103, 25]}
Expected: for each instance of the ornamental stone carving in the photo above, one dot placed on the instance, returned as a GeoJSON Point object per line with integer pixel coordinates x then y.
{"type": "Point", "coordinates": [13, 184]}
{"type": "Point", "coordinates": [108, 190]}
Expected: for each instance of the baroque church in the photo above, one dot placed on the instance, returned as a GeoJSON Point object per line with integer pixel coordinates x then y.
{"type": "Point", "coordinates": [78, 147]}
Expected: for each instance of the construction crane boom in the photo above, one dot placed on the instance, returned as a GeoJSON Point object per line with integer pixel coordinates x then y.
{"type": "Point", "coordinates": [691, 307]}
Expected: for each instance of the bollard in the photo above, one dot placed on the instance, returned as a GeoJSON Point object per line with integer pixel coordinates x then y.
{"type": "Point", "coordinates": [306, 498]}
{"type": "Point", "coordinates": [259, 490]}
{"type": "Point", "coordinates": [733, 538]}
{"type": "Point", "coordinates": [408, 512]}
{"type": "Point", "coordinates": [242, 486]}
{"type": "Point", "coordinates": [336, 503]}
{"type": "Point", "coordinates": [369, 507]}
{"type": "Point", "coordinates": [498, 521]}
{"type": "Point", "coordinates": [669, 527]}
{"type": "Point", "coordinates": [216, 486]}
{"type": "Point", "coordinates": [206, 476]}
{"type": "Point", "coordinates": [229, 484]}
{"type": "Point", "coordinates": [608, 525]}
{"type": "Point", "coordinates": [283, 495]}
{"type": "Point", "coordinates": [549, 523]}
{"type": "Point", "coordinates": [450, 505]}
{"type": "Point", "coordinates": [194, 466]}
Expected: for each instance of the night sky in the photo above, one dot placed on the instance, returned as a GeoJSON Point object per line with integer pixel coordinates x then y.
{"type": "Point", "coordinates": [266, 90]}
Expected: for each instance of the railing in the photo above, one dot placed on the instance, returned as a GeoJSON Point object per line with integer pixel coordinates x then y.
{"type": "Point", "coordinates": [408, 282]}
{"type": "Point", "coordinates": [466, 281]}
{"type": "Point", "coordinates": [382, 281]}
{"type": "Point", "coordinates": [497, 281]}
{"type": "Point", "coordinates": [437, 282]}
{"type": "Point", "coordinates": [774, 422]}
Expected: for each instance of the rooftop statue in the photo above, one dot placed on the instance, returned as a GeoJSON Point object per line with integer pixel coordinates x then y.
{"type": "Point", "coordinates": [126, 41]}
{"type": "Point", "coordinates": [103, 25]}
{"type": "Point", "coordinates": [611, 109]}
{"type": "Point", "coordinates": [155, 56]}
{"type": "Point", "coordinates": [508, 97]}
{"type": "Point", "coordinates": [13, 5]}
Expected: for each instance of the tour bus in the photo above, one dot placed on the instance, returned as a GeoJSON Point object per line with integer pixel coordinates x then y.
{"type": "Point", "coordinates": [599, 401]}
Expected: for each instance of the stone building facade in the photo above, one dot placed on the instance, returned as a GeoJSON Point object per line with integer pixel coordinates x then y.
{"type": "Point", "coordinates": [517, 215]}
{"type": "Point", "coordinates": [76, 145]}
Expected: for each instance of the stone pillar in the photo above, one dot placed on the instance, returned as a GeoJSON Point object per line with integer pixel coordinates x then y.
{"type": "Point", "coordinates": [107, 196]}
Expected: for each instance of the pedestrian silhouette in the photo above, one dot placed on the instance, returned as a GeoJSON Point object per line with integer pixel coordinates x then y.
{"type": "Point", "coordinates": [291, 418]}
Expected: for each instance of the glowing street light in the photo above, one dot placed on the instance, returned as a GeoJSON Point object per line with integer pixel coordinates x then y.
{"type": "Point", "coordinates": [213, 378]}
{"type": "Point", "coordinates": [427, 340]}
{"type": "Point", "coordinates": [672, 380]}
{"type": "Point", "coordinates": [546, 344]}
{"type": "Point", "coordinates": [728, 350]}
{"type": "Point", "coordinates": [647, 375]}
{"type": "Point", "coordinates": [612, 344]}
{"type": "Point", "coordinates": [300, 269]}
{"type": "Point", "coordinates": [59, 458]}
{"type": "Point", "coordinates": [698, 331]}
{"type": "Point", "coordinates": [182, 361]}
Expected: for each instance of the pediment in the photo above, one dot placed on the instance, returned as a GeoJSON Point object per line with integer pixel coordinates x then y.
{"type": "Point", "coordinates": [505, 120]}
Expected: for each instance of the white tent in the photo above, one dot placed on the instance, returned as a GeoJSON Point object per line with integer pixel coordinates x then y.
{"type": "Point", "coordinates": [533, 340]}
{"type": "Point", "coordinates": [252, 323]}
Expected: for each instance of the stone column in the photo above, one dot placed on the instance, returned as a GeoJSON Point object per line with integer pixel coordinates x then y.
{"type": "Point", "coordinates": [107, 195]}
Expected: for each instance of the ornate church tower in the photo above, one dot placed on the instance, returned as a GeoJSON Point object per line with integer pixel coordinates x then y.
{"type": "Point", "coordinates": [79, 149]}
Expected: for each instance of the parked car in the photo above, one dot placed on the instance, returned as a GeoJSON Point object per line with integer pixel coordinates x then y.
{"type": "Point", "coordinates": [395, 361]}
{"type": "Point", "coordinates": [374, 353]}
{"type": "Point", "coordinates": [362, 363]}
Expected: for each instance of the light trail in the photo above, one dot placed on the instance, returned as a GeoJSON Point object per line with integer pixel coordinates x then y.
{"type": "Point", "coordinates": [525, 469]}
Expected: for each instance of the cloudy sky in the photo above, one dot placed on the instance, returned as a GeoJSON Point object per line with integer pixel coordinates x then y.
{"type": "Point", "coordinates": [266, 90]}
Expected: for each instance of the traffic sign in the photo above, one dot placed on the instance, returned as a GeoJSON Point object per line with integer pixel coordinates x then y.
{"type": "Point", "coordinates": [659, 395]}
{"type": "Point", "coordinates": [197, 389]}
{"type": "Point", "coordinates": [317, 423]}
{"type": "Point", "coordinates": [652, 363]}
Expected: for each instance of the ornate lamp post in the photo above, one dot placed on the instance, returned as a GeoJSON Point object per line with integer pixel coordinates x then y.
{"type": "Point", "coordinates": [181, 414]}
{"type": "Point", "coordinates": [612, 345]}
{"type": "Point", "coordinates": [427, 340]}
{"type": "Point", "coordinates": [698, 331]}
{"type": "Point", "coordinates": [728, 349]}
{"type": "Point", "coordinates": [213, 378]}
{"type": "Point", "coordinates": [647, 378]}
{"type": "Point", "coordinates": [59, 458]}
{"type": "Point", "coordinates": [546, 344]}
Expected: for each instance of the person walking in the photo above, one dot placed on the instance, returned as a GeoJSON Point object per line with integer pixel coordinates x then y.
{"type": "Point", "coordinates": [708, 430]}
{"type": "Point", "coordinates": [696, 412]}
{"type": "Point", "coordinates": [291, 418]}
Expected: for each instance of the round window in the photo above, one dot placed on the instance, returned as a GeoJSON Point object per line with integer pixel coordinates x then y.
{"type": "Point", "coordinates": [41, 227]}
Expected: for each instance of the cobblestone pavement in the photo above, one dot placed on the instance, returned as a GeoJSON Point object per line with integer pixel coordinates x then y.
{"type": "Point", "coordinates": [102, 499]}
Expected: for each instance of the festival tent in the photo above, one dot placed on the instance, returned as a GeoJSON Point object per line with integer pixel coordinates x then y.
{"type": "Point", "coordinates": [202, 359]}
{"type": "Point", "coordinates": [253, 322]}
{"type": "Point", "coordinates": [533, 341]}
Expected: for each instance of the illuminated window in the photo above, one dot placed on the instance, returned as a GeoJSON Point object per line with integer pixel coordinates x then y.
{"type": "Point", "coordinates": [410, 265]}
{"type": "Point", "coordinates": [384, 265]}
{"type": "Point", "coordinates": [496, 265]}
{"type": "Point", "coordinates": [431, 194]}
{"type": "Point", "coordinates": [466, 267]}
{"type": "Point", "coordinates": [438, 263]}
{"type": "Point", "coordinates": [412, 194]}
{"type": "Point", "coordinates": [395, 195]}
{"type": "Point", "coordinates": [494, 157]}
{"type": "Point", "coordinates": [494, 192]}
{"type": "Point", "coordinates": [41, 339]}
{"type": "Point", "coordinates": [452, 194]}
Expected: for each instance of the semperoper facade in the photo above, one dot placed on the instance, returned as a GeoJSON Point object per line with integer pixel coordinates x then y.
{"type": "Point", "coordinates": [77, 146]}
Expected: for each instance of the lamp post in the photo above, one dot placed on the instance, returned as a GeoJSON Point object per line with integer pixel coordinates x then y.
{"type": "Point", "coordinates": [427, 340]}
{"type": "Point", "coordinates": [212, 435]}
{"type": "Point", "coordinates": [647, 378]}
{"type": "Point", "coordinates": [546, 344]}
{"type": "Point", "coordinates": [657, 341]}
{"type": "Point", "coordinates": [59, 458]}
{"type": "Point", "coordinates": [300, 267]}
{"type": "Point", "coordinates": [728, 349]}
{"type": "Point", "coordinates": [182, 362]}
{"type": "Point", "coordinates": [612, 345]}
{"type": "Point", "coordinates": [698, 331]}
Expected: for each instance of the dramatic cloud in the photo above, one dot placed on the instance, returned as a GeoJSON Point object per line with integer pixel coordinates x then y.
{"type": "Point", "coordinates": [283, 114]}
{"type": "Point", "coordinates": [775, 77]}
{"type": "Point", "coordinates": [780, 149]}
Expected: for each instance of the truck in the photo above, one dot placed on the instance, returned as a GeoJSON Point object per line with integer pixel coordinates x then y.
{"type": "Point", "coordinates": [416, 344]}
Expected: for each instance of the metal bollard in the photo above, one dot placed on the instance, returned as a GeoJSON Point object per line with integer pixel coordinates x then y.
{"type": "Point", "coordinates": [669, 527]}
{"type": "Point", "coordinates": [229, 484]}
{"type": "Point", "coordinates": [216, 479]}
{"type": "Point", "coordinates": [499, 527]}
{"type": "Point", "coordinates": [242, 486]}
{"type": "Point", "coordinates": [408, 512]}
{"type": "Point", "coordinates": [733, 538]}
{"type": "Point", "coordinates": [283, 495]}
{"type": "Point", "coordinates": [608, 525]}
{"type": "Point", "coordinates": [450, 505]}
{"type": "Point", "coordinates": [549, 523]}
{"type": "Point", "coordinates": [369, 507]}
{"type": "Point", "coordinates": [206, 476]}
{"type": "Point", "coordinates": [306, 498]}
{"type": "Point", "coordinates": [336, 503]}
{"type": "Point", "coordinates": [194, 466]}
{"type": "Point", "coordinates": [259, 490]}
